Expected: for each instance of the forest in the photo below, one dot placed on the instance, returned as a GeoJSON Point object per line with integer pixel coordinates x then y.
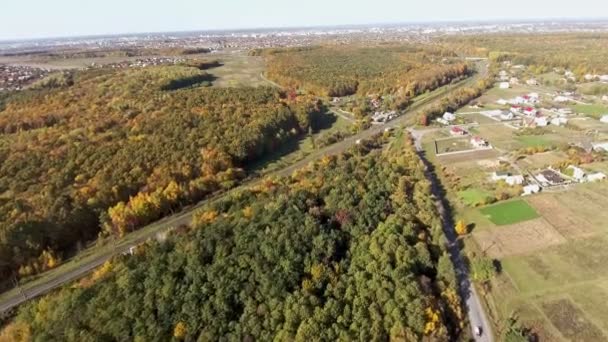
{"type": "Point", "coordinates": [103, 152]}
{"type": "Point", "coordinates": [338, 71]}
{"type": "Point", "coordinates": [348, 248]}
{"type": "Point", "coordinates": [581, 52]}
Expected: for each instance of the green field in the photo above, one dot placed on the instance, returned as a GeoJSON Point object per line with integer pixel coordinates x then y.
{"type": "Point", "coordinates": [594, 110]}
{"type": "Point", "coordinates": [509, 212]}
{"type": "Point", "coordinates": [473, 197]}
{"type": "Point", "coordinates": [534, 141]}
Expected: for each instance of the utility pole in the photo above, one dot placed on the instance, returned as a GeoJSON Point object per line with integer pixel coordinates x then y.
{"type": "Point", "coordinates": [16, 283]}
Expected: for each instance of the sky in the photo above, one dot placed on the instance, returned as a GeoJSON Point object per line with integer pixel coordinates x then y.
{"type": "Point", "coordinates": [23, 19]}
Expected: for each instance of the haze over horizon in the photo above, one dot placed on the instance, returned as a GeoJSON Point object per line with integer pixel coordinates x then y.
{"type": "Point", "coordinates": [30, 19]}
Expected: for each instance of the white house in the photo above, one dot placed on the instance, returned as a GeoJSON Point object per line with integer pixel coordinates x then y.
{"type": "Point", "coordinates": [515, 180]}
{"type": "Point", "coordinates": [532, 82]}
{"type": "Point", "coordinates": [534, 97]}
{"type": "Point", "coordinates": [596, 176]}
{"type": "Point", "coordinates": [500, 175]}
{"type": "Point", "coordinates": [531, 189]}
{"type": "Point", "coordinates": [559, 121]}
{"type": "Point", "coordinates": [604, 78]}
{"type": "Point", "coordinates": [447, 116]}
{"type": "Point", "coordinates": [604, 118]}
{"type": "Point", "coordinates": [506, 116]}
{"type": "Point", "coordinates": [541, 121]}
{"type": "Point", "coordinates": [577, 173]}
{"type": "Point", "coordinates": [605, 98]}
{"type": "Point", "coordinates": [443, 121]}
{"type": "Point", "coordinates": [516, 109]}
{"type": "Point", "coordinates": [561, 99]}
{"type": "Point", "coordinates": [501, 102]}
{"type": "Point", "coordinates": [504, 85]}
{"type": "Point", "coordinates": [519, 100]}
{"type": "Point", "coordinates": [598, 147]}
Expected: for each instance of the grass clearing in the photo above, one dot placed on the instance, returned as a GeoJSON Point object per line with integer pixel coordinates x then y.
{"type": "Point", "coordinates": [509, 212]}
{"type": "Point", "coordinates": [453, 145]}
{"type": "Point", "coordinates": [474, 197]}
{"type": "Point", "coordinates": [593, 110]}
{"type": "Point", "coordinates": [535, 140]}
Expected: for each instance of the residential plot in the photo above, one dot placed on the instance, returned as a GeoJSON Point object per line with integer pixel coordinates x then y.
{"type": "Point", "coordinates": [542, 160]}
{"type": "Point", "coordinates": [518, 239]}
{"type": "Point", "coordinates": [450, 145]}
{"type": "Point", "coordinates": [561, 217]}
{"type": "Point", "coordinates": [471, 156]}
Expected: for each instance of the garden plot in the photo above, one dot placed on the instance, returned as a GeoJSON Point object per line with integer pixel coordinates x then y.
{"type": "Point", "coordinates": [518, 239]}
{"type": "Point", "coordinates": [564, 220]}
{"type": "Point", "coordinates": [571, 321]}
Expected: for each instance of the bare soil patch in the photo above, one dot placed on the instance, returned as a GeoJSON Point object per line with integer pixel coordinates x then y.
{"type": "Point", "coordinates": [571, 322]}
{"type": "Point", "coordinates": [564, 220]}
{"type": "Point", "coordinates": [518, 239]}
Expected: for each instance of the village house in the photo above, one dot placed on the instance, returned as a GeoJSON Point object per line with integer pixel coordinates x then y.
{"type": "Point", "coordinates": [478, 142]}
{"type": "Point", "coordinates": [577, 173]}
{"type": "Point", "coordinates": [515, 180]}
{"type": "Point", "coordinates": [442, 121]}
{"type": "Point", "coordinates": [500, 175]}
{"type": "Point", "coordinates": [457, 131]}
{"type": "Point", "coordinates": [561, 99]}
{"type": "Point", "coordinates": [501, 102]}
{"type": "Point", "coordinates": [505, 116]}
{"type": "Point", "coordinates": [504, 85]}
{"type": "Point", "coordinates": [516, 109]}
{"type": "Point", "coordinates": [600, 147]}
{"type": "Point", "coordinates": [532, 82]}
{"type": "Point", "coordinates": [596, 176]}
{"type": "Point", "coordinates": [531, 189]}
{"type": "Point", "coordinates": [529, 111]}
{"type": "Point", "coordinates": [447, 116]}
{"type": "Point", "coordinates": [604, 118]}
{"type": "Point", "coordinates": [541, 121]}
{"type": "Point", "coordinates": [559, 121]}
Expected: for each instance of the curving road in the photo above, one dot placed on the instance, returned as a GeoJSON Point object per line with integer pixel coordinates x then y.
{"type": "Point", "coordinates": [68, 272]}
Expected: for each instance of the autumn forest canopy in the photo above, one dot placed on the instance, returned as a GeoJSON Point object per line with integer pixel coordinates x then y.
{"type": "Point", "coordinates": [350, 248]}
{"type": "Point", "coordinates": [118, 149]}
{"type": "Point", "coordinates": [339, 71]}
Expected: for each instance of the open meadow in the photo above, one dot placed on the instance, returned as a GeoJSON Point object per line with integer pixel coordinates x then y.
{"type": "Point", "coordinates": [554, 270]}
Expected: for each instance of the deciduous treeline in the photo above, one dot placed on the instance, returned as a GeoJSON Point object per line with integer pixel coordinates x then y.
{"type": "Point", "coordinates": [350, 248]}
{"type": "Point", "coordinates": [113, 148]}
{"type": "Point", "coordinates": [340, 71]}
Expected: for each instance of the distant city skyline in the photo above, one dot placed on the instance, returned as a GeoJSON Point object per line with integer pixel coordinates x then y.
{"type": "Point", "coordinates": [29, 19]}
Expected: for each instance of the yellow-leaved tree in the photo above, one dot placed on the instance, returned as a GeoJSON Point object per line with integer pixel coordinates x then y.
{"type": "Point", "coordinates": [461, 228]}
{"type": "Point", "coordinates": [180, 331]}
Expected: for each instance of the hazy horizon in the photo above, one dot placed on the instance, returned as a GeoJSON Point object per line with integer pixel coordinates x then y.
{"type": "Point", "coordinates": [30, 19]}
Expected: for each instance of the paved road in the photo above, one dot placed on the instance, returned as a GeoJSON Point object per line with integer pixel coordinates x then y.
{"type": "Point", "coordinates": [64, 274]}
{"type": "Point", "coordinates": [475, 311]}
